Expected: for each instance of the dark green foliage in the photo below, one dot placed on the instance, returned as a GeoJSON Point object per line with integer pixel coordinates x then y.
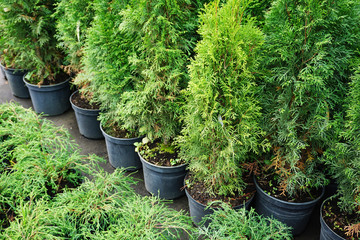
{"type": "Point", "coordinates": [227, 223]}
{"type": "Point", "coordinates": [106, 67]}
{"type": "Point", "coordinates": [222, 111]}
{"type": "Point", "coordinates": [309, 47]}
{"type": "Point", "coordinates": [343, 157]}
{"type": "Point", "coordinates": [258, 8]}
{"type": "Point", "coordinates": [28, 31]}
{"type": "Point", "coordinates": [73, 18]}
{"type": "Point", "coordinates": [163, 45]}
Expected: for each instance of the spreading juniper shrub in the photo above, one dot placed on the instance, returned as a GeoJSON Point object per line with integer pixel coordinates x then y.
{"type": "Point", "coordinates": [221, 120]}
{"type": "Point", "coordinates": [304, 86]}
{"type": "Point", "coordinates": [227, 223]}
{"type": "Point", "coordinates": [43, 161]}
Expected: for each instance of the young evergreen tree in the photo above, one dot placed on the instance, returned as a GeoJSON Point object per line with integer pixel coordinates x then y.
{"type": "Point", "coordinates": [343, 159]}
{"type": "Point", "coordinates": [222, 111]}
{"type": "Point", "coordinates": [165, 39]}
{"type": "Point", "coordinates": [309, 45]}
{"type": "Point", "coordinates": [29, 32]}
{"type": "Point", "coordinates": [105, 62]}
{"type": "Point", "coordinates": [73, 18]}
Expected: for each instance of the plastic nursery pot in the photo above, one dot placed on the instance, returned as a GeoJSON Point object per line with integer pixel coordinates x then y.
{"type": "Point", "coordinates": [3, 71]}
{"type": "Point", "coordinates": [326, 233]}
{"type": "Point", "coordinates": [15, 79]}
{"type": "Point", "coordinates": [165, 182]}
{"type": "Point", "coordinates": [50, 99]}
{"type": "Point", "coordinates": [89, 125]}
{"type": "Point", "coordinates": [295, 215]}
{"type": "Point", "coordinates": [199, 210]}
{"type": "Point", "coordinates": [121, 152]}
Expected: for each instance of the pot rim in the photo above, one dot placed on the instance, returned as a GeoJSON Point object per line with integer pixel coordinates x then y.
{"type": "Point", "coordinates": [161, 167]}
{"type": "Point", "coordinates": [286, 202]}
{"type": "Point", "coordinates": [12, 69]}
{"type": "Point", "coordinates": [85, 109]}
{"type": "Point", "coordinates": [322, 219]}
{"type": "Point", "coordinates": [115, 138]}
{"type": "Point", "coordinates": [45, 86]}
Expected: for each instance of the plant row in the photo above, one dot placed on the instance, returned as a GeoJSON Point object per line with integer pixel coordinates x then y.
{"type": "Point", "coordinates": [229, 88]}
{"type": "Point", "coordinates": [45, 195]}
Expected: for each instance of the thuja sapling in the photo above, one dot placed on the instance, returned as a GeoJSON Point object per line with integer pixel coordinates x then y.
{"type": "Point", "coordinates": [164, 43]}
{"type": "Point", "coordinates": [309, 45]}
{"type": "Point", "coordinates": [73, 18]}
{"type": "Point", "coordinates": [105, 63]}
{"type": "Point", "coordinates": [222, 112]}
{"type": "Point", "coordinates": [30, 36]}
{"type": "Point", "coordinates": [343, 162]}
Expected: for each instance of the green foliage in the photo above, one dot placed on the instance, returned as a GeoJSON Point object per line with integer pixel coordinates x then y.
{"type": "Point", "coordinates": [309, 47]}
{"type": "Point", "coordinates": [258, 8]}
{"type": "Point", "coordinates": [37, 160]}
{"type": "Point", "coordinates": [106, 67]}
{"type": "Point", "coordinates": [73, 18]}
{"type": "Point", "coordinates": [105, 208]}
{"type": "Point", "coordinates": [227, 223]}
{"type": "Point", "coordinates": [28, 30]}
{"type": "Point", "coordinates": [343, 157]}
{"type": "Point", "coordinates": [222, 111]}
{"type": "Point", "coordinates": [164, 42]}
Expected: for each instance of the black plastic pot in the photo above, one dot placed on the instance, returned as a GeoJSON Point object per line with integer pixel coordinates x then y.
{"type": "Point", "coordinates": [15, 79]}
{"type": "Point", "coordinates": [165, 182]}
{"type": "Point", "coordinates": [326, 233]}
{"type": "Point", "coordinates": [50, 99]}
{"type": "Point", "coordinates": [295, 215]}
{"type": "Point", "coordinates": [121, 152]}
{"type": "Point", "coordinates": [3, 71]}
{"type": "Point", "coordinates": [199, 210]}
{"type": "Point", "coordinates": [89, 125]}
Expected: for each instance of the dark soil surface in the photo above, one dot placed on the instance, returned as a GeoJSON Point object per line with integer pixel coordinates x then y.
{"type": "Point", "coordinates": [61, 77]}
{"type": "Point", "coordinates": [338, 220]}
{"type": "Point", "coordinates": [161, 158]}
{"type": "Point", "coordinates": [83, 102]}
{"type": "Point", "coordinates": [197, 192]}
{"type": "Point", "coordinates": [117, 132]}
{"type": "Point", "coordinates": [270, 186]}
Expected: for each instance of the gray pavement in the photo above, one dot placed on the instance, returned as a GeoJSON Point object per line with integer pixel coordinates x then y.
{"type": "Point", "coordinates": [98, 147]}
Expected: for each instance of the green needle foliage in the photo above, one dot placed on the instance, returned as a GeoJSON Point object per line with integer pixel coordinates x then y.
{"type": "Point", "coordinates": [73, 18]}
{"type": "Point", "coordinates": [104, 208]}
{"type": "Point", "coordinates": [28, 30]}
{"type": "Point", "coordinates": [37, 160]}
{"type": "Point", "coordinates": [227, 223]}
{"type": "Point", "coordinates": [163, 45]}
{"type": "Point", "coordinates": [106, 68]}
{"type": "Point", "coordinates": [222, 111]}
{"type": "Point", "coordinates": [309, 47]}
{"type": "Point", "coordinates": [343, 157]}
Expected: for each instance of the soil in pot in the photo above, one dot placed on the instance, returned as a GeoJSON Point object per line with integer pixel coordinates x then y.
{"type": "Point", "coordinates": [199, 199]}
{"type": "Point", "coordinates": [160, 154]}
{"type": "Point", "coordinates": [50, 97]}
{"type": "Point", "coordinates": [272, 200]}
{"type": "Point", "coordinates": [338, 220]}
{"type": "Point", "coordinates": [163, 172]}
{"type": "Point", "coordinates": [82, 102]}
{"type": "Point", "coordinates": [269, 185]}
{"type": "Point", "coordinates": [86, 116]}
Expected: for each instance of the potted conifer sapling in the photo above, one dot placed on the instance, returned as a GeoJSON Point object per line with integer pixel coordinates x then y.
{"type": "Point", "coordinates": [164, 44]}
{"type": "Point", "coordinates": [221, 133]}
{"type": "Point", "coordinates": [304, 86]}
{"type": "Point", "coordinates": [73, 18]}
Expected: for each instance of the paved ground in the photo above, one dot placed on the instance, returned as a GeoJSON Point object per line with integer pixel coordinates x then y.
{"type": "Point", "coordinates": [98, 147]}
